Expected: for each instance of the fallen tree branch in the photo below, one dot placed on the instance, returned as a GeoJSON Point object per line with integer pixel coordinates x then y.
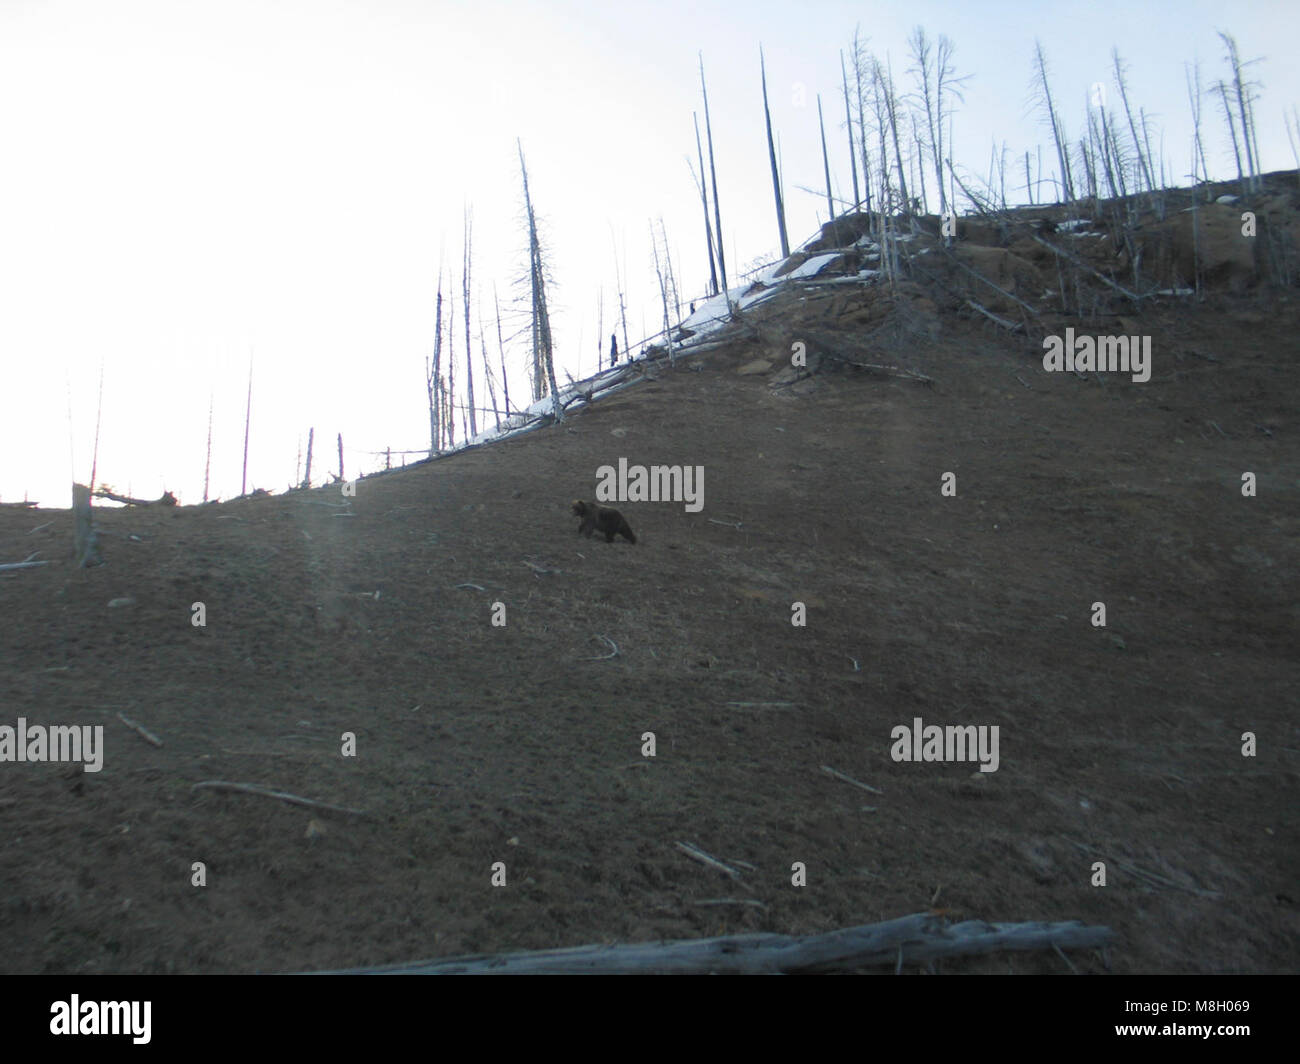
{"type": "Point", "coordinates": [1151, 878]}
{"type": "Point", "coordinates": [693, 851]}
{"type": "Point", "coordinates": [849, 779]}
{"type": "Point", "coordinates": [1010, 326]}
{"type": "Point", "coordinates": [1075, 260]}
{"type": "Point", "coordinates": [267, 792]}
{"type": "Point", "coordinates": [751, 902]}
{"type": "Point", "coordinates": [10, 566]}
{"type": "Point", "coordinates": [144, 732]}
{"type": "Point", "coordinates": [613, 653]}
{"type": "Point", "coordinates": [165, 499]}
{"type": "Point", "coordinates": [914, 939]}
{"type": "Point", "coordinates": [951, 257]}
{"type": "Point", "coordinates": [888, 371]}
{"type": "Point", "coordinates": [827, 350]}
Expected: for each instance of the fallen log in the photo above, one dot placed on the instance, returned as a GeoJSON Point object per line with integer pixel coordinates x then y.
{"type": "Point", "coordinates": [980, 277]}
{"type": "Point", "coordinates": [1076, 261]}
{"type": "Point", "coordinates": [914, 939]}
{"type": "Point", "coordinates": [1010, 326]}
{"type": "Point", "coordinates": [268, 792]}
{"type": "Point", "coordinates": [165, 499]}
{"type": "Point", "coordinates": [10, 566]}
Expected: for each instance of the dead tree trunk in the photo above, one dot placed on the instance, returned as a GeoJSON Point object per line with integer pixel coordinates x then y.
{"type": "Point", "coordinates": [704, 199]}
{"type": "Point", "coordinates": [501, 349]}
{"type": "Point", "coordinates": [433, 378]}
{"type": "Point", "coordinates": [86, 543]}
{"type": "Point", "coordinates": [306, 480]}
{"type": "Point", "coordinates": [826, 163]}
{"type": "Point", "coordinates": [248, 417]}
{"type": "Point", "coordinates": [537, 277]}
{"type": "Point", "coordinates": [848, 124]}
{"type": "Point", "coordinates": [207, 465]}
{"type": "Point", "coordinates": [469, 346]}
{"type": "Point", "coordinates": [771, 153]}
{"type": "Point", "coordinates": [713, 172]}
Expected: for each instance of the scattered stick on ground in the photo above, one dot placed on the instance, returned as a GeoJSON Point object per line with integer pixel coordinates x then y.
{"type": "Point", "coordinates": [752, 902]}
{"type": "Point", "coordinates": [267, 792]}
{"type": "Point", "coordinates": [1010, 326]}
{"type": "Point", "coordinates": [472, 587]}
{"type": "Point", "coordinates": [1068, 963]}
{"type": "Point", "coordinates": [849, 779]}
{"type": "Point", "coordinates": [951, 257]}
{"type": "Point", "coordinates": [691, 850]}
{"type": "Point", "coordinates": [613, 650]}
{"type": "Point", "coordinates": [889, 371]}
{"type": "Point", "coordinates": [1151, 878]}
{"type": "Point", "coordinates": [144, 732]}
{"type": "Point", "coordinates": [10, 566]}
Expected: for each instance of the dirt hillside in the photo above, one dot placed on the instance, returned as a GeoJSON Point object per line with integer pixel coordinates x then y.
{"type": "Point", "coordinates": [522, 743]}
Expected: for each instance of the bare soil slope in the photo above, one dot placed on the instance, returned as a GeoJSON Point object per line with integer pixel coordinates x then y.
{"type": "Point", "coordinates": [478, 744]}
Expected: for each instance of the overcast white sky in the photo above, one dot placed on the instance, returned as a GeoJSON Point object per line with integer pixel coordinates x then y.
{"type": "Point", "coordinates": [182, 181]}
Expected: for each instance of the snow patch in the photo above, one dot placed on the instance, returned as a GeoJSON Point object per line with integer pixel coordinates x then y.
{"type": "Point", "coordinates": [812, 267]}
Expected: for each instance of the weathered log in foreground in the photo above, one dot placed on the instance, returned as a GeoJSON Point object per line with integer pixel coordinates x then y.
{"type": "Point", "coordinates": [914, 939]}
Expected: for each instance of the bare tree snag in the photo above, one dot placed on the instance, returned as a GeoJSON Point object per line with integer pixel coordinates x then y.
{"type": "Point", "coordinates": [248, 420]}
{"type": "Point", "coordinates": [87, 546]}
{"type": "Point", "coordinates": [311, 436]}
{"type": "Point", "coordinates": [771, 152]}
{"type": "Point", "coordinates": [713, 174]}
